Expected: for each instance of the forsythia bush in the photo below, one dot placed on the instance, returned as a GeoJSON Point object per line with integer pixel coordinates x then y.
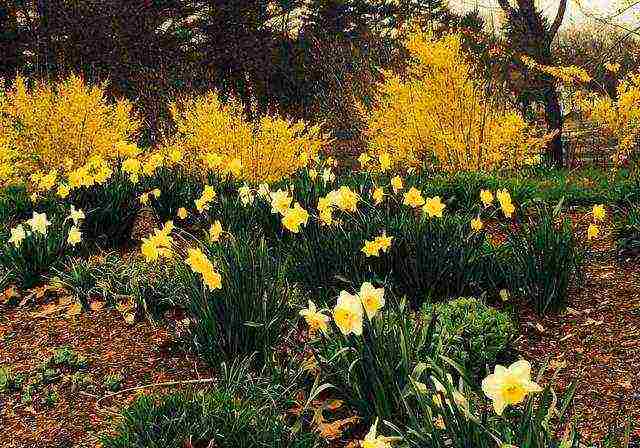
{"type": "Point", "coordinates": [52, 130]}
{"type": "Point", "coordinates": [621, 118]}
{"type": "Point", "coordinates": [218, 136]}
{"type": "Point", "coordinates": [439, 112]}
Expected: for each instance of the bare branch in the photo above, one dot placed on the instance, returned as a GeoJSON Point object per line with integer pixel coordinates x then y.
{"type": "Point", "coordinates": [562, 8]}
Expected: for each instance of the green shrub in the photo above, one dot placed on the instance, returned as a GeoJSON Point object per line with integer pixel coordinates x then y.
{"type": "Point", "coordinates": [473, 334]}
{"type": "Point", "coordinates": [247, 313]}
{"type": "Point", "coordinates": [10, 381]}
{"type": "Point", "coordinates": [544, 256]}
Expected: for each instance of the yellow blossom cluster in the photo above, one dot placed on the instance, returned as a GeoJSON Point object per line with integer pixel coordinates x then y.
{"type": "Point", "coordinates": [58, 128]}
{"type": "Point", "coordinates": [440, 112]}
{"type": "Point", "coordinates": [217, 136]}
{"type": "Point", "coordinates": [618, 118]}
{"type": "Point", "coordinates": [380, 243]}
{"type": "Point", "coordinates": [569, 75]}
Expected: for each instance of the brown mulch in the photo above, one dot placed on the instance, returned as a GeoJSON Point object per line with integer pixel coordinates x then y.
{"type": "Point", "coordinates": [596, 343]}
{"type": "Point", "coordinates": [141, 353]}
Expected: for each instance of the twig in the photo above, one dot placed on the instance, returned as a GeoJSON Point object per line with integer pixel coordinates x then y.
{"type": "Point", "coordinates": [148, 386]}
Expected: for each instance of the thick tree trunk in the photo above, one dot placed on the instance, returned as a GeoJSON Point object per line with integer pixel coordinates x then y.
{"type": "Point", "coordinates": [554, 121]}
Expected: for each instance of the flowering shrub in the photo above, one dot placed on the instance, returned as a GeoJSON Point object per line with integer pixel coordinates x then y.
{"type": "Point", "coordinates": [51, 130]}
{"type": "Point", "coordinates": [439, 113]}
{"type": "Point", "coordinates": [218, 136]}
{"type": "Point", "coordinates": [618, 118]}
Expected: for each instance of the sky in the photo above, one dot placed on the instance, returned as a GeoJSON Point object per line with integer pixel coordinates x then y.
{"type": "Point", "coordinates": [575, 15]}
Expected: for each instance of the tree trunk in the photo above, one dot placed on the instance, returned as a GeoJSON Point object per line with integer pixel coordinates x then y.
{"type": "Point", "coordinates": [554, 121]}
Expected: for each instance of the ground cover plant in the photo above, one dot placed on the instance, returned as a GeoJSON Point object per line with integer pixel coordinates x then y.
{"type": "Point", "coordinates": [246, 281]}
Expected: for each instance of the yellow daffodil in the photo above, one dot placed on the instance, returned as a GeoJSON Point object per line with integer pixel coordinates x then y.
{"type": "Point", "coordinates": [76, 215]}
{"type": "Point", "coordinates": [313, 174]}
{"type": "Point", "coordinates": [372, 299]}
{"type": "Point", "coordinates": [476, 224]}
{"type": "Point", "coordinates": [599, 212]}
{"type": "Point", "coordinates": [459, 399]}
{"type": "Point", "coordinates": [39, 223]}
{"type": "Point", "coordinates": [156, 193]}
{"type": "Point", "coordinates": [348, 314]}
{"type": "Point", "coordinates": [383, 241]}
{"type": "Point", "coordinates": [413, 198]}
{"type": "Point", "coordinates": [200, 264]}
{"type": "Point", "coordinates": [326, 216]}
{"type": "Point", "coordinates": [373, 440]}
{"type": "Point", "coordinates": [280, 202]}
{"type": "Point", "coordinates": [315, 319]}
{"type": "Point", "coordinates": [378, 195]}
{"type": "Point", "coordinates": [144, 198]}
{"type": "Point", "coordinates": [592, 231]}
{"type": "Point", "coordinates": [75, 236]}
{"type": "Point", "coordinates": [328, 176]}
{"type": "Point", "coordinates": [385, 161]}
{"type": "Point", "coordinates": [215, 231]}
{"type": "Point", "coordinates": [246, 196]}
{"type": "Point", "coordinates": [371, 249]}
{"type": "Point", "coordinates": [504, 295]}
{"type": "Point", "coordinates": [182, 213]}
{"type": "Point", "coordinates": [63, 190]}
{"type": "Point", "coordinates": [396, 184]}
{"type": "Point", "coordinates": [294, 218]}
{"type": "Point", "coordinates": [434, 207]}
{"type": "Point", "coordinates": [17, 235]}
{"type": "Point", "coordinates": [486, 197]}
{"type": "Point", "coordinates": [346, 199]}
{"type": "Point", "coordinates": [508, 386]}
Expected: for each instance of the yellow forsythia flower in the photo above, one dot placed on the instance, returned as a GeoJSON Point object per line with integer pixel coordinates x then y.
{"type": "Point", "coordinates": [508, 386]}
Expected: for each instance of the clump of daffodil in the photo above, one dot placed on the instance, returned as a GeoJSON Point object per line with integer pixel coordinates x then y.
{"type": "Point", "coordinates": [509, 386]}
{"type": "Point", "coordinates": [159, 244]}
{"type": "Point", "coordinates": [200, 264]}
{"type": "Point", "coordinates": [315, 319]}
{"type": "Point", "coordinates": [413, 198]}
{"type": "Point", "coordinates": [294, 218]}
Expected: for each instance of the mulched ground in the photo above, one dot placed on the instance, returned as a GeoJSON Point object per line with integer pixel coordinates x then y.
{"type": "Point", "coordinates": [595, 342]}
{"type": "Point", "coordinates": [139, 353]}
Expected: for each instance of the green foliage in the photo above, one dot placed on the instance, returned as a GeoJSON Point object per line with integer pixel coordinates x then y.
{"type": "Point", "coordinates": [371, 372]}
{"type": "Point", "coordinates": [113, 382]}
{"type": "Point", "coordinates": [544, 257]}
{"type": "Point", "coordinates": [242, 411]}
{"type": "Point", "coordinates": [627, 232]}
{"type": "Point", "coordinates": [247, 314]}
{"type": "Point", "coordinates": [10, 381]}
{"type": "Point", "coordinates": [440, 258]}
{"type": "Point", "coordinates": [453, 422]}
{"type": "Point", "coordinates": [38, 253]}
{"type": "Point", "coordinates": [66, 357]}
{"type": "Point", "coordinates": [473, 334]}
